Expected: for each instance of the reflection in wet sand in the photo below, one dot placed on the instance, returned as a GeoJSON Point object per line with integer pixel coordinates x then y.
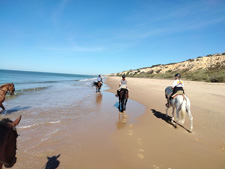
{"type": "Point", "coordinates": [99, 98]}
{"type": "Point", "coordinates": [122, 120]}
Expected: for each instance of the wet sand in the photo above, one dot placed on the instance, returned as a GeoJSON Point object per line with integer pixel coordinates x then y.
{"type": "Point", "coordinates": [154, 143]}
{"type": "Point", "coordinates": [80, 134]}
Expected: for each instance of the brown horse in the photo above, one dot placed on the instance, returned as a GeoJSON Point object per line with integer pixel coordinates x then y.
{"type": "Point", "coordinates": [123, 97]}
{"type": "Point", "coordinates": [8, 137]}
{"type": "Point", "coordinates": [3, 90]}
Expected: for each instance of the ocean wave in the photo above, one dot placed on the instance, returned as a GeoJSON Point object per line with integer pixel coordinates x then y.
{"type": "Point", "coordinates": [54, 122]}
{"type": "Point", "coordinates": [83, 80]}
{"type": "Point", "coordinates": [37, 124]}
{"type": "Point", "coordinates": [28, 126]}
{"type": "Point", "coordinates": [49, 135]}
{"type": "Point", "coordinates": [33, 89]}
{"type": "Point", "coordinates": [56, 81]}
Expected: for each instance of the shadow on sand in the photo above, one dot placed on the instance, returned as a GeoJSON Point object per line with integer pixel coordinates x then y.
{"type": "Point", "coordinates": [168, 120]}
{"type": "Point", "coordinates": [53, 162]}
{"type": "Point", "coordinates": [15, 109]}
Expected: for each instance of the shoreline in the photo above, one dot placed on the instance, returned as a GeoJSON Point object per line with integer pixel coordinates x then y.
{"type": "Point", "coordinates": [157, 144]}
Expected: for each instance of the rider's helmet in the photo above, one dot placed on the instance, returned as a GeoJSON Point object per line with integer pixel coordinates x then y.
{"type": "Point", "coordinates": [123, 76]}
{"type": "Point", "coordinates": [99, 75]}
{"type": "Point", "coordinates": [177, 75]}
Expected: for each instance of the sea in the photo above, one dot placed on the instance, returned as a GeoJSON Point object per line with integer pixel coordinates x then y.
{"type": "Point", "coordinates": [61, 113]}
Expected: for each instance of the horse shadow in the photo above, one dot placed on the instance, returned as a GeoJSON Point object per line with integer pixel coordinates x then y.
{"type": "Point", "coordinates": [168, 120]}
{"type": "Point", "coordinates": [162, 116]}
{"type": "Point", "coordinates": [15, 109]}
{"type": "Point", "coordinates": [116, 105]}
{"type": "Point", "coordinates": [53, 162]}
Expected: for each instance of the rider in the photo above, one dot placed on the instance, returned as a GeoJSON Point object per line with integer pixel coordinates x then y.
{"type": "Point", "coordinates": [123, 84]}
{"type": "Point", "coordinates": [99, 79]}
{"type": "Point", "coordinates": [177, 87]}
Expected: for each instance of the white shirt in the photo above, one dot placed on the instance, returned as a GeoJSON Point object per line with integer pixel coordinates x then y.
{"type": "Point", "coordinates": [178, 83]}
{"type": "Point", "coordinates": [99, 79]}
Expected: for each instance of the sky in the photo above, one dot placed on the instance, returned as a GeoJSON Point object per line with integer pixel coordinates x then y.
{"type": "Point", "coordinates": [107, 36]}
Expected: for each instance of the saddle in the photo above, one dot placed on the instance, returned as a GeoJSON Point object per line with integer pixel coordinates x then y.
{"type": "Point", "coordinates": [180, 92]}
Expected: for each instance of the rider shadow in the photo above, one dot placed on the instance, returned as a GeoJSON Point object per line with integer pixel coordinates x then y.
{"type": "Point", "coordinates": [163, 117]}
{"type": "Point", "coordinates": [15, 109]}
{"type": "Point", "coordinates": [53, 162]}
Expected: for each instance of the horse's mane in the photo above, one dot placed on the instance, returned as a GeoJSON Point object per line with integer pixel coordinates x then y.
{"type": "Point", "coordinates": [5, 85]}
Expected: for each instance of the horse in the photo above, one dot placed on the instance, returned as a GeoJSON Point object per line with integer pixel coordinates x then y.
{"type": "Point", "coordinates": [98, 86]}
{"type": "Point", "coordinates": [182, 104]}
{"type": "Point", "coordinates": [8, 138]}
{"type": "Point", "coordinates": [123, 97]}
{"type": "Point", "coordinates": [8, 87]}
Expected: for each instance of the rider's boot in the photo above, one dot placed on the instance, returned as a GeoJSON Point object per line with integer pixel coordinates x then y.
{"type": "Point", "coordinates": [168, 103]}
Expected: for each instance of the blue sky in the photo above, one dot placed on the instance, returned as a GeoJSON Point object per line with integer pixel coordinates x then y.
{"type": "Point", "coordinates": [107, 36]}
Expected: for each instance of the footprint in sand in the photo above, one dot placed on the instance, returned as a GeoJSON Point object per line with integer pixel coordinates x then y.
{"type": "Point", "coordinates": [139, 141]}
{"type": "Point", "coordinates": [155, 167]}
{"type": "Point", "coordinates": [140, 150]}
{"type": "Point", "coordinates": [130, 132]}
{"type": "Point", "coordinates": [199, 140]}
{"type": "Point", "coordinates": [140, 156]}
{"type": "Point", "coordinates": [223, 149]}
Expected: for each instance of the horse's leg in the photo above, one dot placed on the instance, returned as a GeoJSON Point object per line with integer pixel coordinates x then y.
{"type": "Point", "coordinates": [173, 114]}
{"type": "Point", "coordinates": [122, 104]}
{"type": "Point", "coordinates": [125, 104]}
{"type": "Point", "coordinates": [167, 113]}
{"type": "Point", "coordinates": [119, 104]}
{"type": "Point", "coordinates": [3, 108]}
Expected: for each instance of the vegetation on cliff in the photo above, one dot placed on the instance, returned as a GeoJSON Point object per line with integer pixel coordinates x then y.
{"type": "Point", "coordinates": [210, 68]}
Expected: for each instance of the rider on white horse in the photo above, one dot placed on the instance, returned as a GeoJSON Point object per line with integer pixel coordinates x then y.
{"type": "Point", "coordinates": [177, 87]}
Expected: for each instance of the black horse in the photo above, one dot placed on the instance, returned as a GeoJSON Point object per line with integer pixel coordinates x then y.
{"type": "Point", "coordinates": [123, 97]}
{"type": "Point", "coordinates": [98, 86]}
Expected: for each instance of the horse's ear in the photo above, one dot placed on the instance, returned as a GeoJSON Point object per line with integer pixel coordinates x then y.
{"type": "Point", "coordinates": [16, 122]}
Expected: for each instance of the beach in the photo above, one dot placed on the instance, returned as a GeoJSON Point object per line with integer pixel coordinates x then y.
{"type": "Point", "coordinates": [155, 143]}
{"type": "Point", "coordinates": [78, 128]}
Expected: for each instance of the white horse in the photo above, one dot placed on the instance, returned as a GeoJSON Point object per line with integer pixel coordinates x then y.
{"type": "Point", "coordinates": [182, 104]}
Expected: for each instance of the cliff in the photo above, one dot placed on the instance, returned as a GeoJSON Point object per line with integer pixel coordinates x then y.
{"type": "Point", "coordinates": [208, 68]}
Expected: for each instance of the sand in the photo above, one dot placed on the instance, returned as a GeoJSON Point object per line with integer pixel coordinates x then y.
{"type": "Point", "coordinates": [140, 138]}
{"type": "Point", "coordinates": [154, 143]}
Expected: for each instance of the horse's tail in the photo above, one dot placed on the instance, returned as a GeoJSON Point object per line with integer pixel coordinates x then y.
{"type": "Point", "coordinates": [183, 109]}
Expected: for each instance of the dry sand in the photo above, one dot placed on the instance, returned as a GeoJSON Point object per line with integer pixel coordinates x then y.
{"type": "Point", "coordinates": [154, 143]}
